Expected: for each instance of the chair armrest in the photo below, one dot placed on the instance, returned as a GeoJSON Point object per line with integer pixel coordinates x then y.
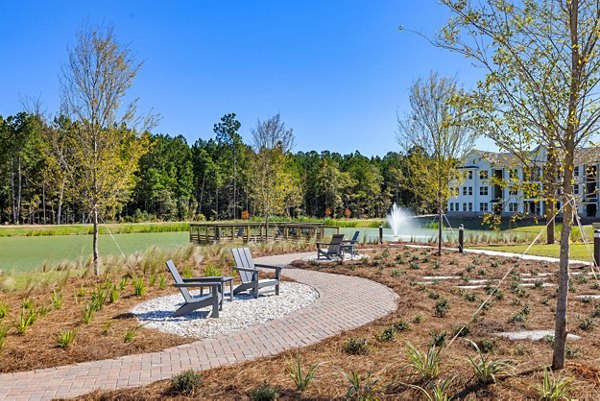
{"type": "Point", "coordinates": [203, 284]}
{"type": "Point", "coordinates": [200, 279]}
{"type": "Point", "coordinates": [245, 269]}
{"type": "Point", "coordinates": [268, 266]}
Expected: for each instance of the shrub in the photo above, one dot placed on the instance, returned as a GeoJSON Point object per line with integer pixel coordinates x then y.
{"type": "Point", "coordinates": [265, 392]}
{"type": "Point", "coordinates": [401, 325]}
{"type": "Point", "coordinates": [441, 308]}
{"type": "Point", "coordinates": [362, 389]}
{"type": "Point", "coordinates": [426, 365]}
{"type": "Point", "coordinates": [186, 382]}
{"type": "Point", "coordinates": [438, 339]}
{"type": "Point", "coordinates": [553, 389]}
{"type": "Point", "coordinates": [66, 338]}
{"type": "Point", "coordinates": [301, 379]}
{"type": "Point", "coordinates": [356, 346]}
{"type": "Point", "coordinates": [139, 287]}
{"type": "Point", "coordinates": [387, 335]}
{"type": "Point", "coordinates": [56, 300]}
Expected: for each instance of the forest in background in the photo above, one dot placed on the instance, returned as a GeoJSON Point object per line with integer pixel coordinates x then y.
{"type": "Point", "coordinates": [177, 181]}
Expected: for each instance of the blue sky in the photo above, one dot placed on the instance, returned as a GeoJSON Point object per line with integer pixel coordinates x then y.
{"type": "Point", "coordinates": [336, 71]}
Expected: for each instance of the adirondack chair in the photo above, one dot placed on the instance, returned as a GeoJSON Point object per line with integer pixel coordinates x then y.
{"type": "Point", "coordinates": [249, 274]}
{"type": "Point", "coordinates": [350, 245]}
{"type": "Point", "coordinates": [334, 248]}
{"type": "Point", "coordinates": [214, 298]}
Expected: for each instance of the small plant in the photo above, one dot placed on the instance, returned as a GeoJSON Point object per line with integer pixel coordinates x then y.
{"type": "Point", "coordinates": [553, 389]}
{"type": "Point", "coordinates": [596, 311]}
{"type": "Point", "coordinates": [434, 295]}
{"type": "Point", "coordinates": [414, 265]}
{"type": "Point", "coordinates": [441, 308]}
{"type": "Point", "coordinates": [520, 350]}
{"type": "Point", "coordinates": [123, 283]}
{"type": "Point", "coordinates": [301, 379]}
{"type": "Point", "coordinates": [522, 315]}
{"type": "Point", "coordinates": [469, 296]}
{"type": "Point", "coordinates": [3, 334]}
{"type": "Point", "coordinates": [212, 270]}
{"type": "Point", "coordinates": [98, 299]}
{"type": "Point", "coordinates": [25, 320]}
{"type": "Point", "coordinates": [187, 273]}
{"type": "Point", "coordinates": [387, 335]}
{"type": "Point", "coordinates": [481, 272]}
{"type": "Point", "coordinates": [139, 287]}
{"type": "Point", "coordinates": [401, 325]}
{"type": "Point", "coordinates": [485, 371]}
{"type": "Point", "coordinates": [436, 264]}
{"type": "Point", "coordinates": [87, 313]}
{"type": "Point", "coordinates": [486, 346]}
{"type": "Point", "coordinates": [396, 272]}
{"type": "Point", "coordinates": [361, 389]}
{"type": "Point", "coordinates": [56, 300]}
{"type": "Point", "coordinates": [131, 333]}
{"type": "Point", "coordinates": [356, 346]}
{"type": "Point", "coordinates": [264, 392]}
{"type": "Point", "coordinates": [107, 328]}
{"type": "Point", "coordinates": [153, 279]}
{"type": "Point", "coordinates": [461, 331]}
{"type": "Point", "coordinates": [114, 295]}
{"type": "Point", "coordinates": [426, 365]}
{"type": "Point", "coordinates": [162, 282]}
{"type": "Point", "coordinates": [3, 310]}
{"type": "Point", "coordinates": [66, 338]}
{"type": "Point", "coordinates": [399, 258]}
{"type": "Point", "coordinates": [27, 303]}
{"type": "Point", "coordinates": [469, 268]}
{"type": "Point", "coordinates": [438, 339]}
{"type": "Point", "coordinates": [586, 324]}
{"type": "Point", "coordinates": [572, 352]}
{"type": "Point", "coordinates": [186, 382]}
{"type": "Point", "coordinates": [438, 392]}
{"type": "Point", "coordinates": [418, 318]}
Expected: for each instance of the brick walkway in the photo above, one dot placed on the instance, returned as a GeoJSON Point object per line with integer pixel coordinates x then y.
{"type": "Point", "coordinates": [344, 303]}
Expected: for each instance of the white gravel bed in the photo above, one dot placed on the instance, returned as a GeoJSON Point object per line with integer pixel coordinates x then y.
{"type": "Point", "coordinates": [243, 311]}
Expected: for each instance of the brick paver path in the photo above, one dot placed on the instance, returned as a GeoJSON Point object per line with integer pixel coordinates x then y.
{"type": "Point", "coordinates": [344, 303]}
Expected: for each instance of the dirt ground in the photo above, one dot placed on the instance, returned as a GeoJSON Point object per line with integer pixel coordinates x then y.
{"type": "Point", "coordinates": [421, 318]}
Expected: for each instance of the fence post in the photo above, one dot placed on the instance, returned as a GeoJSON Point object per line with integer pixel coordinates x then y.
{"type": "Point", "coordinates": [380, 234]}
{"type": "Point", "coordinates": [597, 247]}
{"type": "Point", "coordinates": [461, 238]}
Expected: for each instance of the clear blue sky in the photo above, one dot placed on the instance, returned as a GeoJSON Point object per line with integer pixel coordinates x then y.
{"type": "Point", "coordinates": [336, 71]}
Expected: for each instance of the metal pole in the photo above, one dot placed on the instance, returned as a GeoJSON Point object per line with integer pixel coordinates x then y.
{"type": "Point", "coordinates": [597, 247]}
{"type": "Point", "coordinates": [461, 238]}
{"type": "Point", "coordinates": [380, 234]}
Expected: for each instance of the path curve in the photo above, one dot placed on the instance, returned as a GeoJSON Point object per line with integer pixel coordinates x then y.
{"type": "Point", "coordinates": [344, 303]}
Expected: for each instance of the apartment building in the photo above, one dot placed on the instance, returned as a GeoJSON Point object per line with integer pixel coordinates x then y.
{"type": "Point", "coordinates": [494, 182]}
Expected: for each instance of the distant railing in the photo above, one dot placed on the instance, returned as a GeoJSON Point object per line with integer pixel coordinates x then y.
{"type": "Point", "coordinates": [206, 233]}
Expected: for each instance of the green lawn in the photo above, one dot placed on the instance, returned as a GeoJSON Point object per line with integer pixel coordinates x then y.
{"type": "Point", "coordinates": [85, 229]}
{"type": "Point", "coordinates": [22, 253]}
{"type": "Point", "coordinates": [578, 251]}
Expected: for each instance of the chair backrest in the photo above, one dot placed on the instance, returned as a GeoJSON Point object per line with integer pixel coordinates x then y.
{"type": "Point", "coordinates": [184, 291]}
{"type": "Point", "coordinates": [355, 237]}
{"type": "Point", "coordinates": [335, 244]}
{"type": "Point", "coordinates": [243, 258]}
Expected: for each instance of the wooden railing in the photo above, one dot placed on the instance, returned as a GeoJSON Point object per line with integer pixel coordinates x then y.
{"type": "Point", "coordinates": [204, 233]}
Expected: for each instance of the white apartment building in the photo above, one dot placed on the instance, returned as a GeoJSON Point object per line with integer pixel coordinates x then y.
{"type": "Point", "coordinates": [478, 194]}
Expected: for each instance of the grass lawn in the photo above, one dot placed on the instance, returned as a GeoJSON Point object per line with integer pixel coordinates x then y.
{"type": "Point", "coordinates": [426, 315]}
{"type": "Point", "coordinates": [85, 229]}
{"type": "Point", "coordinates": [579, 251]}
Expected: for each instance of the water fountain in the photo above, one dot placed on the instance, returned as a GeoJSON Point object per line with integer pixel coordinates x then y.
{"type": "Point", "coordinates": [400, 221]}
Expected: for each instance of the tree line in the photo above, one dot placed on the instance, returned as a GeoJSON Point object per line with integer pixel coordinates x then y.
{"type": "Point", "coordinates": [217, 178]}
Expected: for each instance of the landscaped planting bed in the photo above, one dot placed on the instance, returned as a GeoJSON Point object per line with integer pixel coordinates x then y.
{"type": "Point", "coordinates": [427, 314]}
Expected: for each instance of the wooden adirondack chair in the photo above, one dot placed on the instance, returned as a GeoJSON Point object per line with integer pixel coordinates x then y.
{"type": "Point", "coordinates": [249, 274]}
{"type": "Point", "coordinates": [350, 245]}
{"type": "Point", "coordinates": [214, 298]}
{"type": "Point", "coordinates": [334, 248]}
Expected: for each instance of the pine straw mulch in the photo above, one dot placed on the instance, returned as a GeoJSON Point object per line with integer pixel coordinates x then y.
{"type": "Point", "coordinates": [400, 268]}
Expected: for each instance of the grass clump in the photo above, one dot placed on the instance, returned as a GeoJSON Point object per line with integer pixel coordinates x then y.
{"type": "Point", "coordinates": [483, 369]}
{"type": "Point", "coordinates": [387, 335]}
{"type": "Point", "coordinates": [425, 364]}
{"type": "Point", "coordinates": [87, 313]}
{"type": "Point", "coordinates": [3, 334]}
{"type": "Point", "coordinates": [131, 333]}
{"type": "Point", "coordinates": [186, 382]}
{"type": "Point", "coordinates": [301, 379]}
{"type": "Point", "coordinates": [356, 346]}
{"type": "Point", "coordinates": [3, 310]}
{"type": "Point", "coordinates": [553, 389]}
{"type": "Point", "coordinates": [66, 338]}
{"type": "Point", "coordinates": [56, 300]}
{"type": "Point", "coordinates": [139, 287]}
{"type": "Point", "coordinates": [264, 392]}
{"type": "Point", "coordinates": [25, 320]}
{"type": "Point", "coordinates": [361, 389]}
{"type": "Point", "coordinates": [441, 308]}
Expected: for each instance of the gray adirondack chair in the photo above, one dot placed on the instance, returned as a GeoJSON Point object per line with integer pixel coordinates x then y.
{"type": "Point", "coordinates": [249, 274]}
{"type": "Point", "coordinates": [214, 298]}
{"type": "Point", "coordinates": [333, 249]}
{"type": "Point", "coordinates": [350, 245]}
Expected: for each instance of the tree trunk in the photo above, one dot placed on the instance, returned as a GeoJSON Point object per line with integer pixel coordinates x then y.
{"type": "Point", "coordinates": [95, 241]}
{"type": "Point", "coordinates": [550, 221]}
{"type": "Point", "coordinates": [441, 216]}
{"type": "Point", "coordinates": [61, 194]}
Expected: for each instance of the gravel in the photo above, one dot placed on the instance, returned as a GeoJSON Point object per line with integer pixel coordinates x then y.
{"type": "Point", "coordinates": [242, 312]}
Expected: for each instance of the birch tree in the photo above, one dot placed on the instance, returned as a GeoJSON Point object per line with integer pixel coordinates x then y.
{"type": "Point", "coordinates": [542, 64]}
{"type": "Point", "coordinates": [105, 150]}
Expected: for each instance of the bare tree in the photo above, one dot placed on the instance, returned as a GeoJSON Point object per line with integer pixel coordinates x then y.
{"type": "Point", "coordinates": [435, 127]}
{"type": "Point", "coordinates": [105, 149]}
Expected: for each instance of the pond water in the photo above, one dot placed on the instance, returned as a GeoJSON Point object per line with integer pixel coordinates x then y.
{"type": "Point", "coordinates": [31, 253]}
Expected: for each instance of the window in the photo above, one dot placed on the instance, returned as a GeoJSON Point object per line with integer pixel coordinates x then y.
{"type": "Point", "coordinates": [456, 206]}
{"type": "Point", "coordinates": [469, 175]}
{"type": "Point", "coordinates": [470, 207]}
{"type": "Point", "coordinates": [451, 207]}
{"type": "Point", "coordinates": [513, 207]}
{"type": "Point", "coordinates": [575, 189]}
{"type": "Point", "coordinates": [513, 173]}
{"type": "Point", "coordinates": [464, 207]}
{"type": "Point", "coordinates": [576, 171]}
{"type": "Point", "coordinates": [483, 207]}
{"type": "Point", "coordinates": [483, 191]}
{"type": "Point", "coordinates": [464, 191]}
{"type": "Point", "coordinates": [470, 191]}
{"type": "Point", "coordinates": [483, 175]}
{"type": "Point", "coordinates": [513, 190]}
